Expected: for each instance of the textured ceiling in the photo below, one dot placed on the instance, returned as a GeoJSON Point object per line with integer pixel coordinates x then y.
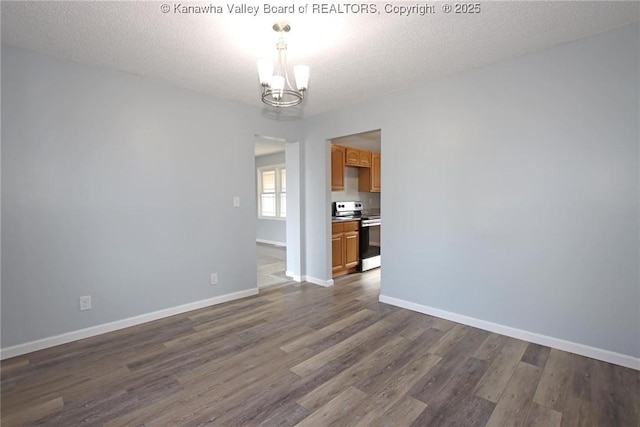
{"type": "Point", "coordinates": [370, 141]}
{"type": "Point", "coordinates": [353, 57]}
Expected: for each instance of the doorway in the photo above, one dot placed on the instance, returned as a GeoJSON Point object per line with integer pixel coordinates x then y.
{"type": "Point", "coordinates": [356, 191]}
{"type": "Point", "coordinates": [277, 210]}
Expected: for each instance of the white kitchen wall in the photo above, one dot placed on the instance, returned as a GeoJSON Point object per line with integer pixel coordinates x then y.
{"type": "Point", "coordinates": [511, 193]}
{"type": "Point", "coordinates": [370, 200]}
{"type": "Point", "coordinates": [121, 188]}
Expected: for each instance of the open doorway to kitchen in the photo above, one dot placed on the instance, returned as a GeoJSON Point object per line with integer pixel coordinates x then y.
{"type": "Point", "coordinates": [277, 210]}
{"type": "Point", "coordinates": [356, 191]}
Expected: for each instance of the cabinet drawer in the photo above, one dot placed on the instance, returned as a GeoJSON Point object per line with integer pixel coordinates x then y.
{"type": "Point", "coordinates": [351, 226]}
{"type": "Point", "coordinates": [337, 227]}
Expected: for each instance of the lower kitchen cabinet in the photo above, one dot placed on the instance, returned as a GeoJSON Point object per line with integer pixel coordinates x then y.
{"type": "Point", "coordinates": [345, 242]}
{"type": "Point", "coordinates": [337, 252]}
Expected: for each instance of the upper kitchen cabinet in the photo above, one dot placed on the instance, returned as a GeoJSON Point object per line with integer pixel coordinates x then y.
{"type": "Point", "coordinates": [337, 167]}
{"type": "Point", "coordinates": [358, 158]}
{"type": "Point", "coordinates": [365, 158]}
{"type": "Point", "coordinates": [369, 178]}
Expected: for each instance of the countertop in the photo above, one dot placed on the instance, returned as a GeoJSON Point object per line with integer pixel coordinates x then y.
{"type": "Point", "coordinates": [339, 219]}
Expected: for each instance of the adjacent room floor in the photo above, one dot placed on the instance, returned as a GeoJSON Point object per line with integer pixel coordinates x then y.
{"type": "Point", "coordinates": [300, 353]}
{"type": "Point", "coordinates": [272, 264]}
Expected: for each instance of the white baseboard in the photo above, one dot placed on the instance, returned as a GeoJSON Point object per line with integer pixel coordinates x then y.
{"type": "Point", "coordinates": [316, 281]}
{"type": "Point", "coordinates": [68, 337]}
{"type": "Point", "coordinates": [272, 242]}
{"type": "Point", "coordinates": [294, 277]}
{"type": "Point", "coordinates": [560, 344]}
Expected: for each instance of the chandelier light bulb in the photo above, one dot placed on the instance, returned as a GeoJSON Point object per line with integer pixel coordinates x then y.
{"type": "Point", "coordinates": [265, 71]}
{"type": "Point", "coordinates": [301, 74]}
{"type": "Point", "coordinates": [277, 87]}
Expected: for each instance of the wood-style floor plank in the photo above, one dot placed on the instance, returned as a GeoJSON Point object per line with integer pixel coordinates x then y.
{"type": "Point", "coordinates": [36, 412]}
{"type": "Point", "coordinates": [300, 354]}
{"type": "Point", "coordinates": [402, 413]}
{"type": "Point", "coordinates": [336, 409]}
{"type": "Point", "coordinates": [317, 335]}
{"type": "Point", "coordinates": [579, 413]}
{"type": "Point", "coordinates": [350, 376]}
{"type": "Point", "coordinates": [513, 408]}
{"type": "Point", "coordinates": [495, 380]}
{"type": "Point", "coordinates": [391, 391]}
{"type": "Point", "coordinates": [555, 381]}
{"type": "Point", "coordinates": [541, 416]}
{"type": "Point", "coordinates": [536, 355]}
{"type": "Point", "coordinates": [444, 406]}
{"type": "Point", "coordinates": [491, 347]}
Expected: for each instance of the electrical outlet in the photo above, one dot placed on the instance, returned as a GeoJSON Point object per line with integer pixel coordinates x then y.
{"type": "Point", "coordinates": [236, 201]}
{"type": "Point", "coordinates": [85, 303]}
{"type": "Point", "coordinates": [214, 279]}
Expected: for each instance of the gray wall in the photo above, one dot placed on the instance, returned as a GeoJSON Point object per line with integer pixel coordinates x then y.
{"type": "Point", "coordinates": [511, 192]}
{"type": "Point", "coordinates": [120, 188]}
{"type": "Point", "coordinates": [295, 204]}
{"type": "Point", "coordinates": [274, 230]}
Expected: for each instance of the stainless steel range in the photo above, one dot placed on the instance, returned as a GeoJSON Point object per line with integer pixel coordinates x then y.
{"type": "Point", "coordinates": [369, 245]}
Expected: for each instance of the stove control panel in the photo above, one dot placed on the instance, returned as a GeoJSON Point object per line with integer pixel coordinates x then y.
{"type": "Point", "coordinates": [347, 208]}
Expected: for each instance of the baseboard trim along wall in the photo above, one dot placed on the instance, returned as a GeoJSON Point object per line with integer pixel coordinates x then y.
{"type": "Point", "coordinates": [294, 277]}
{"type": "Point", "coordinates": [316, 281]}
{"type": "Point", "coordinates": [560, 344]}
{"type": "Point", "coordinates": [272, 242]}
{"type": "Point", "coordinates": [68, 337]}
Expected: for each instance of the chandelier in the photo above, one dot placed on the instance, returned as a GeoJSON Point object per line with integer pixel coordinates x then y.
{"type": "Point", "coordinates": [276, 88]}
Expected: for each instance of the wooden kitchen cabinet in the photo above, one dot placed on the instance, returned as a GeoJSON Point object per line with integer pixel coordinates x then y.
{"type": "Point", "coordinates": [351, 249]}
{"type": "Point", "coordinates": [358, 158]}
{"type": "Point", "coordinates": [352, 156]}
{"type": "Point", "coordinates": [369, 178]}
{"type": "Point", "coordinates": [345, 247]}
{"type": "Point", "coordinates": [365, 158]}
{"type": "Point", "coordinates": [337, 167]}
{"type": "Point", "coordinates": [337, 250]}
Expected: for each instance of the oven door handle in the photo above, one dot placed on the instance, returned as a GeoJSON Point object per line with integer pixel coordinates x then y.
{"type": "Point", "coordinates": [369, 223]}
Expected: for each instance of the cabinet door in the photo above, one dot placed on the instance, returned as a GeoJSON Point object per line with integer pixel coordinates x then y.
{"type": "Point", "coordinates": [337, 168]}
{"type": "Point", "coordinates": [375, 171]}
{"type": "Point", "coordinates": [351, 249]}
{"type": "Point", "coordinates": [369, 178]}
{"type": "Point", "coordinates": [365, 158]}
{"type": "Point", "coordinates": [353, 156]}
{"type": "Point", "coordinates": [337, 252]}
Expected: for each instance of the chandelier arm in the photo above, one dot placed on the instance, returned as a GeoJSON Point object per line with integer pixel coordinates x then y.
{"type": "Point", "coordinates": [279, 68]}
{"type": "Point", "coordinates": [286, 74]}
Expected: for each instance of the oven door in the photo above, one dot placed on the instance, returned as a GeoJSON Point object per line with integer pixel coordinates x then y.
{"type": "Point", "coordinates": [369, 244]}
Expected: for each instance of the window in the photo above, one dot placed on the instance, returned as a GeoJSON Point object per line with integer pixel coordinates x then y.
{"type": "Point", "coordinates": [272, 192]}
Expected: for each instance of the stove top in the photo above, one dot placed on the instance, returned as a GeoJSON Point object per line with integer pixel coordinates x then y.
{"type": "Point", "coordinates": [354, 210]}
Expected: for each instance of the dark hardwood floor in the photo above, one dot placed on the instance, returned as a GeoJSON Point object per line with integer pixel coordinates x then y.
{"type": "Point", "coordinates": [313, 356]}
